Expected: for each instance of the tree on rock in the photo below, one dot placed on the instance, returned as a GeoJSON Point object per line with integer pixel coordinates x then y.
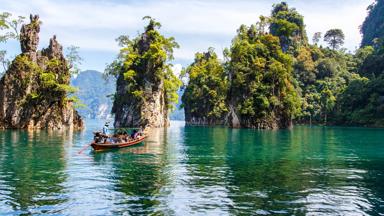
{"type": "Point", "coordinates": [204, 98]}
{"type": "Point", "coordinates": [146, 87]}
{"type": "Point", "coordinates": [262, 93]}
{"type": "Point", "coordinates": [316, 38]}
{"type": "Point", "coordinates": [9, 28]}
{"type": "Point", "coordinates": [287, 24]}
{"type": "Point", "coordinates": [335, 38]}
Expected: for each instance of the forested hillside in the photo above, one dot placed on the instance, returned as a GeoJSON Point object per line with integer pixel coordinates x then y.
{"type": "Point", "coordinates": [362, 103]}
{"type": "Point", "coordinates": [275, 75]}
{"type": "Point", "coordinates": [204, 99]}
{"type": "Point", "coordinates": [373, 28]}
{"type": "Point", "coordinates": [95, 93]}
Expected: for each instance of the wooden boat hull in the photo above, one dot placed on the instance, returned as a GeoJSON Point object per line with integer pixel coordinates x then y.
{"type": "Point", "coordinates": [102, 146]}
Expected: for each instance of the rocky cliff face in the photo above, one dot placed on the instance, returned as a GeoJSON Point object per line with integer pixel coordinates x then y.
{"type": "Point", "coordinates": [149, 112]}
{"type": "Point", "coordinates": [33, 91]}
{"type": "Point", "coordinates": [273, 121]}
{"type": "Point", "coordinates": [145, 86]}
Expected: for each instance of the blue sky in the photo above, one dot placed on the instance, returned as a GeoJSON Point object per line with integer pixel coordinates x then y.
{"type": "Point", "coordinates": [196, 24]}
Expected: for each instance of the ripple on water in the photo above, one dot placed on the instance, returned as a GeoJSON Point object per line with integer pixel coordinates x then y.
{"type": "Point", "coordinates": [203, 171]}
{"type": "Point", "coordinates": [342, 200]}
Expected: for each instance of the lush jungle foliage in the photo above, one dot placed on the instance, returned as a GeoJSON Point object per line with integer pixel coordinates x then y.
{"type": "Point", "coordinates": [331, 86]}
{"type": "Point", "coordinates": [206, 93]}
{"type": "Point", "coordinates": [287, 24]}
{"type": "Point", "coordinates": [362, 103]}
{"type": "Point", "coordinates": [322, 74]}
{"type": "Point", "coordinates": [373, 28]}
{"type": "Point", "coordinates": [143, 64]}
{"type": "Point", "coordinates": [262, 86]}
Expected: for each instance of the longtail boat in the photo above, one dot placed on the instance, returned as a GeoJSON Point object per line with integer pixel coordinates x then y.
{"type": "Point", "coordinates": [108, 145]}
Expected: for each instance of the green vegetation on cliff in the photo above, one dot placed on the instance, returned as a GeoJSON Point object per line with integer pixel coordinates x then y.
{"type": "Point", "coordinates": [362, 102]}
{"type": "Point", "coordinates": [373, 28]}
{"type": "Point", "coordinates": [35, 92]}
{"type": "Point", "coordinates": [146, 57]}
{"type": "Point", "coordinates": [287, 24]}
{"type": "Point", "coordinates": [143, 72]}
{"type": "Point", "coordinates": [277, 76]}
{"type": "Point", "coordinates": [262, 90]}
{"type": "Point", "coordinates": [322, 75]}
{"type": "Point", "coordinates": [204, 98]}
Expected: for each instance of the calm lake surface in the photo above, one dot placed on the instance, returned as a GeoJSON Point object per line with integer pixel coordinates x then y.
{"type": "Point", "coordinates": [195, 170]}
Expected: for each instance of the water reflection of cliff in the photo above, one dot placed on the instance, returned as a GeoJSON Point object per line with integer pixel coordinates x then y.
{"type": "Point", "coordinates": [299, 171]}
{"type": "Point", "coordinates": [201, 173]}
{"type": "Point", "coordinates": [31, 171]}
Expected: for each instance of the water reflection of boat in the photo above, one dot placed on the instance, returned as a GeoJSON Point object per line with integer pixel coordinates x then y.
{"type": "Point", "coordinates": [109, 145]}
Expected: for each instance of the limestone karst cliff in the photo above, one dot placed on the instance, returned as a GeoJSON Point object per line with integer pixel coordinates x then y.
{"type": "Point", "coordinates": [148, 111]}
{"type": "Point", "coordinates": [253, 88]}
{"type": "Point", "coordinates": [146, 87]}
{"type": "Point", "coordinates": [204, 96]}
{"type": "Point", "coordinates": [33, 91]}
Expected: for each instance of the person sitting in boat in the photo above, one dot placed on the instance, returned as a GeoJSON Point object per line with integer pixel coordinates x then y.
{"type": "Point", "coordinates": [134, 134]}
{"type": "Point", "coordinates": [116, 138]}
{"type": "Point", "coordinates": [126, 136]}
{"type": "Point", "coordinates": [141, 131]}
{"type": "Point", "coordinates": [98, 137]}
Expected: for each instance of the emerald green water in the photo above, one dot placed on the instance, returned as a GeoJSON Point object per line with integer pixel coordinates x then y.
{"type": "Point", "coordinates": [195, 170]}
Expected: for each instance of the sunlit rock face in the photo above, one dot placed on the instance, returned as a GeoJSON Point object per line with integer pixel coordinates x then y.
{"type": "Point", "coordinates": [32, 91]}
{"type": "Point", "coordinates": [149, 113]}
{"type": "Point", "coordinates": [151, 110]}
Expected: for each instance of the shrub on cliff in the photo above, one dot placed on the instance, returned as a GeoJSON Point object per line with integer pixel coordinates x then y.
{"type": "Point", "coordinates": [204, 98]}
{"type": "Point", "coordinates": [262, 85]}
{"type": "Point", "coordinates": [143, 70]}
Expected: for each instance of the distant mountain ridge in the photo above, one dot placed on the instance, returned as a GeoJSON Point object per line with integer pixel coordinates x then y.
{"type": "Point", "coordinates": [93, 92]}
{"type": "Point", "coordinates": [178, 114]}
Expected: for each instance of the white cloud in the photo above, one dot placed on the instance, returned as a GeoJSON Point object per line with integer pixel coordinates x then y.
{"type": "Point", "coordinates": [177, 69]}
{"type": "Point", "coordinates": [196, 24]}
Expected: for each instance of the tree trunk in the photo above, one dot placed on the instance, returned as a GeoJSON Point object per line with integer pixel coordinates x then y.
{"type": "Point", "coordinates": [310, 120]}
{"type": "Point", "coordinates": [325, 119]}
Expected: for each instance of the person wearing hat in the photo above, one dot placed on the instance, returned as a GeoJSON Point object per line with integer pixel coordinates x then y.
{"type": "Point", "coordinates": [105, 128]}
